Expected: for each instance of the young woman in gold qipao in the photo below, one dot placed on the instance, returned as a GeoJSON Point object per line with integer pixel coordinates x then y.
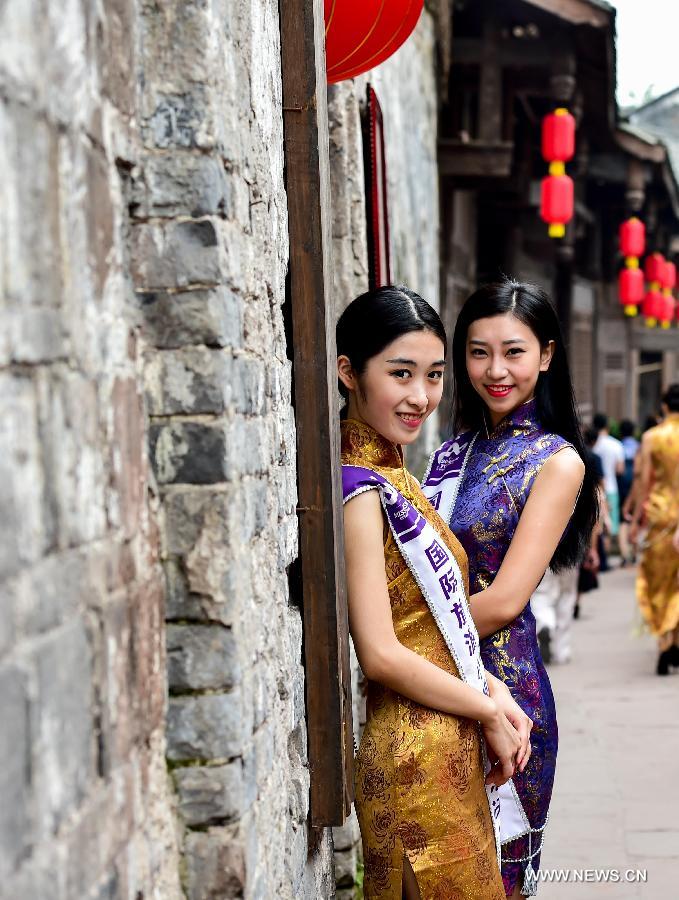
{"type": "Point", "coordinates": [441, 734]}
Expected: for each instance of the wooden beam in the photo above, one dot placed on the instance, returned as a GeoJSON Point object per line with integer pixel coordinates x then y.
{"type": "Point", "coordinates": [490, 82]}
{"type": "Point", "coordinates": [577, 12]}
{"type": "Point", "coordinates": [511, 53]}
{"type": "Point", "coordinates": [321, 534]}
{"type": "Point", "coordinates": [475, 159]}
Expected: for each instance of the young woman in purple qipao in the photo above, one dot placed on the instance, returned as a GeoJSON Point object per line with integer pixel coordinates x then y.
{"type": "Point", "coordinates": [514, 487]}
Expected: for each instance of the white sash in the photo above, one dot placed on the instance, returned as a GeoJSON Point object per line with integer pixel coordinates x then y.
{"type": "Point", "coordinates": [440, 486]}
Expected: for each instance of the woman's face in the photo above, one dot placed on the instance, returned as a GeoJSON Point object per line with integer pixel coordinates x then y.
{"type": "Point", "coordinates": [399, 388]}
{"type": "Point", "coordinates": [504, 359]}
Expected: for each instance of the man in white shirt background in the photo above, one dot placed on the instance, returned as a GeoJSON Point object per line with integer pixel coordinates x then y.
{"type": "Point", "coordinates": [612, 455]}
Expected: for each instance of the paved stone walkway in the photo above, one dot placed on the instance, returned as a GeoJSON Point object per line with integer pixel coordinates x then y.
{"type": "Point", "coordinates": [616, 796]}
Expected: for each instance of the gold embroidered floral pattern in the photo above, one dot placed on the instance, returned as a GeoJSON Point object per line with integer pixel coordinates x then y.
{"type": "Point", "coordinates": [414, 837]}
{"type": "Point", "coordinates": [402, 807]}
{"type": "Point", "coordinates": [409, 773]}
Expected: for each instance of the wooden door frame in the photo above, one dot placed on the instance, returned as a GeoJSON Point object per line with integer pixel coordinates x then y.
{"type": "Point", "coordinates": [316, 402]}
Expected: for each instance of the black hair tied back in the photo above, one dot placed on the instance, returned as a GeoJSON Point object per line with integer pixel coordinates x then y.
{"type": "Point", "coordinates": [372, 321]}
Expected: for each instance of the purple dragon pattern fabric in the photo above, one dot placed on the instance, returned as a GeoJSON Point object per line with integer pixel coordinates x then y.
{"type": "Point", "coordinates": [499, 473]}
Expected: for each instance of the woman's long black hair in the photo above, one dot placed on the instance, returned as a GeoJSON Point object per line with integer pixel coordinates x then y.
{"type": "Point", "coordinates": [554, 397]}
{"type": "Point", "coordinates": [375, 319]}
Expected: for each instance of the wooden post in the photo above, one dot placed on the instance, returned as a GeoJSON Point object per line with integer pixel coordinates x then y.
{"type": "Point", "coordinates": [321, 535]}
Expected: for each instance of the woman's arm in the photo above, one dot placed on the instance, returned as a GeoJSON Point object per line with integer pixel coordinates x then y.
{"type": "Point", "coordinates": [645, 474]}
{"type": "Point", "coordinates": [385, 660]}
{"type": "Point", "coordinates": [541, 525]}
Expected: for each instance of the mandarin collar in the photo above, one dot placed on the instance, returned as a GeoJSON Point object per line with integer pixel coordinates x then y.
{"type": "Point", "coordinates": [361, 439]}
{"type": "Point", "coordinates": [522, 420]}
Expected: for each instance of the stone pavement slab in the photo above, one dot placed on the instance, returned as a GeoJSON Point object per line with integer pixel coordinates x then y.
{"type": "Point", "coordinates": [616, 795]}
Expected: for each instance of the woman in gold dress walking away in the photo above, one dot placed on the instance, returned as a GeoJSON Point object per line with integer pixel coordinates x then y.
{"type": "Point", "coordinates": [425, 809]}
{"type": "Point", "coordinates": [658, 504]}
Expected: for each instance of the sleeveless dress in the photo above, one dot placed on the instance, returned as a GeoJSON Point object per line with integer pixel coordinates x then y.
{"type": "Point", "coordinates": [657, 588]}
{"type": "Point", "coordinates": [495, 486]}
{"type": "Point", "coordinates": [419, 780]}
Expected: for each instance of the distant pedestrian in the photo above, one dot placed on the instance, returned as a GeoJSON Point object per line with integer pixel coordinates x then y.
{"type": "Point", "coordinates": [657, 588]}
{"type": "Point", "coordinates": [590, 567]}
{"type": "Point", "coordinates": [630, 446]}
{"type": "Point", "coordinates": [612, 455]}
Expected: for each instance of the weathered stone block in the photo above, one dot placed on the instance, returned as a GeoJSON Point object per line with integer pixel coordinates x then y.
{"type": "Point", "coordinates": [215, 865]}
{"type": "Point", "coordinates": [190, 453]}
{"type": "Point", "coordinates": [62, 724]}
{"type": "Point", "coordinates": [188, 185]}
{"type": "Point", "coordinates": [209, 726]}
{"type": "Point", "coordinates": [348, 835]}
{"type": "Point", "coordinates": [212, 317]}
{"type": "Point", "coordinates": [202, 656]}
{"type": "Point", "coordinates": [191, 380]}
{"type": "Point", "coordinates": [210, 794]}
{"type": "Point", "coordinates": [35, 334]}
{"type": "Point", "coordinates": [175, 255]}
{"type": "Point", "coordinates": [248, 447]}
{"type": "Point", "coordinates": [71, 437]}
{"type": "Point", "coordinates": [346, 863]}
{"type": "Point", "coordinates": [15, 772]}
{"type": "Point", "coordinates": [22, 512]}
{"type": "Point", "coordinates": [127, 453]}
{"type": "Point", "coordinates": [247, 385]}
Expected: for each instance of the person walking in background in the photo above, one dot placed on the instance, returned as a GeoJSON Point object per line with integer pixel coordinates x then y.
{"type": "Point", "coordinates": [658, 504]}
{"type": "Point", "coordinates": [589, 568]}
{"type": "Point", "coordinates": [612, 455]}
{"type": "Point", "coordinates": [630, 446]}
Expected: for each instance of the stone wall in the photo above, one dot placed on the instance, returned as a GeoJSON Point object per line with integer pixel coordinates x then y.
{"type": "Point", "coordinates": [86, 803]}
{"type": "Point", "coordinates": [148, 460]}
{"type": "Point", "coordinates": [209, 256]}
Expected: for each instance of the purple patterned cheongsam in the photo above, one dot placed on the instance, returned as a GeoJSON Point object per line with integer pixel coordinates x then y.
{"type": "Point", "coordinates": [495, 485]}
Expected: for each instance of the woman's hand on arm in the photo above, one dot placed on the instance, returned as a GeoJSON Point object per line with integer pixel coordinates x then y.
{"type": "Point", "coordinates": [384, 659]}
{"type": "Point", "coordinates": [513, 712]}
{"type": "Point", "coordinates": [541, 524]}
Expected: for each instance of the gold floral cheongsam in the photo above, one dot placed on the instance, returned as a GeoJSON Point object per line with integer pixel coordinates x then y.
{"type": "Point", "coordinates": [657, 587]}
{"type": "Point", "coordinates": [419, 772]}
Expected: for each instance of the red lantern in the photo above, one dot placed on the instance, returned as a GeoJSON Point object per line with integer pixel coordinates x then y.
{"type": "Point", "coordinates": [360, 36]}
{"type": "Point", "coordinates": [652, 307]}
{"type": "Point", "coordinates": [654, 270]}
{"type": "Point", "coordinates": [557, 195]}
{"type": "Point", "coordinates": [631, 289]}
{"type": "Point", "coordinates": [557, 200]}
{"type": "Point", "coordinates": [668, 311]}
{"type": "Point", "coordinates": [632, 236]}
{"type": "Point", "coordinates": [558, 137]}
{"type": "Point", "coordinates": [669, 280]}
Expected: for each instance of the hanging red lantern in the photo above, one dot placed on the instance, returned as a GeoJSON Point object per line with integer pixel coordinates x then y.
{"type": "Point", "coordinates": [652, 307]}
{"type": "Point", "coordinates": [654, 270]}
{"type": "Point", "coordinates": [557, 199]}
{"type": "Point", "coordinates": [667, 317]}
{"type": "Point", "coordinates": [556, 204]}
{"type": "Point", "coordinates": [558, 137]}
{"type": "Point", "coordinates": [668, 283]}
{"type": "Point", "coordinates": [360, 36]}
{"type": "Point", "coordinates": [630, 290]}
{"type": "Point", "coordinates": [632, 234]}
